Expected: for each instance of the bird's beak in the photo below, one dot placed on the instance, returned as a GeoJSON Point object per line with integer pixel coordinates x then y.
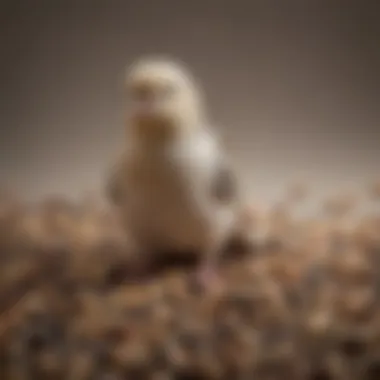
{"type": "Point", "coordinates": [144, 109]}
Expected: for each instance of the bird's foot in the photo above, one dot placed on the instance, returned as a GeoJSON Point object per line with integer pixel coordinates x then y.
{"type": "Point", "coordinates": [207, 280]}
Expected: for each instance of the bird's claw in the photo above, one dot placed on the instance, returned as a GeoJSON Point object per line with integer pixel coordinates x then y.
{"type": "Point", "coordinates": [207, 280]}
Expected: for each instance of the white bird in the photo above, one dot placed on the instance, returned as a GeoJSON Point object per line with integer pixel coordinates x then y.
{"type": "Point", "coordinates": [174, 185]}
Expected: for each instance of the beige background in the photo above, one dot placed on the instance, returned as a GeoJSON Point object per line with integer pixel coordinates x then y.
{"type": "Point", "coordinates": [294, 86]}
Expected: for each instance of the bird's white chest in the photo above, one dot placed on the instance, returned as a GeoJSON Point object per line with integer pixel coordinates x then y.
{"type": "Point", "coordinates": [168, 191]}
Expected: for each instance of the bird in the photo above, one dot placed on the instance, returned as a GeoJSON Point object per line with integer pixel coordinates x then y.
{"type": "Point", "coordinates": [174, 185]}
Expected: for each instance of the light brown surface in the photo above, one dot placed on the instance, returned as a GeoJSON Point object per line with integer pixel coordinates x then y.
{"type": "Point", "coordinates": [302, 304]}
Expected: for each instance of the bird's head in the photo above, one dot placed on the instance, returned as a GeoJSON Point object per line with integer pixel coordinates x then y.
{"type": "Point", "coordinates": [163, 98]}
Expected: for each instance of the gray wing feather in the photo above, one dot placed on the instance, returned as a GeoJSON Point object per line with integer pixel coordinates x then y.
{"type": "Point", "coordinates": [224, 185]}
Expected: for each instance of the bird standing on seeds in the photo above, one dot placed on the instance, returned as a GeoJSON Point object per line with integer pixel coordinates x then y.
{"type": "Point", "coordinates": [173, 184]}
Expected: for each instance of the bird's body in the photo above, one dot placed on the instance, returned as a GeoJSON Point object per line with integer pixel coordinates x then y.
{"type": "Point", "coordinates": [174, 184]}
{"type": "Point", "coordinates": [171, 203]}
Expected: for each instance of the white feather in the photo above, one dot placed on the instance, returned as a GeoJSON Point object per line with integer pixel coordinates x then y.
{"type": "Point", "coordinates": [169, 202]}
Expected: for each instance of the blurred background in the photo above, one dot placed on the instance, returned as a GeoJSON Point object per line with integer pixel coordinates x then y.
{"type": "Point", "coordinates": [293, 85]}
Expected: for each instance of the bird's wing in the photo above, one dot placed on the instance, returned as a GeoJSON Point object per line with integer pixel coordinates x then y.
{"type": "Point", "coordinates": [224, 185]}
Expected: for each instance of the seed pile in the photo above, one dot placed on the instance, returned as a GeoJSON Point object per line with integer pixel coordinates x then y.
{"type": "Point", "coordinates": [303, 302]}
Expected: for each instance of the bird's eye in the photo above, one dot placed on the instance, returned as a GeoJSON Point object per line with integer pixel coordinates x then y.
{"type": "Point", "coordinates": [140, 94]}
